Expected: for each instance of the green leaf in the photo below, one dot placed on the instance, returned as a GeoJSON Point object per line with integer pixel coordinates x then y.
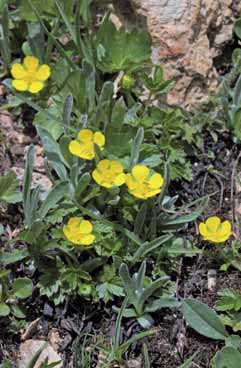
{"type": "Point", "coordinates": [64, 148]}
{"type": "Point", "coordinates": [134, 339]}
{"type": "Point", "coordinates": [125, 275]}
{"type": "Point", "coordinates": [118, 113]}
{"type": "Point", "coordinates": [26, 12]}
{"type": "Point", "coordinates": [4, 310]}
{"type": "Point", "coordinates": [16, 255]}
{"type": "Point", "coordinates": [17, 311]}
{"type": "Point", "coordinates": [121, 50]}
{"type": "Point", "coordinates": [146, 321]}
{"type": "Point", "coordinates": [67, 110]}
{"type": "Point", "coordinates": [188, 362]}
{"type": "Point", "coordinates": [85, 10]}
{"type": "Point", "coordinates": [234, 341]}
{"type": "Point", "coordinates": [181, 247]}
{"type": "Point", "coordinates": [51, 147]}
{"type": "Point", "coordinates": [32, 234]}
{"type": "Point", "coordinates": [22, 288]}
{"type": "Point", "coordinates": [237, 123]}
{"type": "Point", "coordinates": [236, 55]}
{"type": "Point", "coordinates": [36, 9]}
{"type": "Point", "coordinates": [4, 36]}
{"type": "Point", "coordinates": [76, 85]}
{"type": "Point", "coordinates": [237, 93]}
{"type": "Point", "coordinates": [147, 363]}
{"type": "Point", "coordinates": [166, 182]}
{"type": "Point", "coordinates": [162, 303]}
{"type": "Point", "coordinates": [128, 312]}
{"type": "Point", "coordinates": [237, 28]}
{"type": "Point", "coordinates": [140, 219]}
{"type": "Point", "coordinates": [228, 357]}
{"type": "Point", "coordinates": [82, 185]}
{"type": "Point", "coordinates": [105, 102]}
{"type": "Point", "coordinates": [136, 147]}
{"type": "Point", "coordinates": [57, 193]}
{"type": "Point", "coordinates": [27, 184]}
{"type": "Point", "coordinates": [148, 247]}
{"type": "Point", "coordinates": [36, 40]}
{"type": "Point", "coordinates": [203, 320]}
{"type": "Point", "coordinates": [116, 337]}
{"type": "Point", "coordinates": [150, 289]}
{"type": "Point", "coordinates": [54, 127]}
{"type": "Point", "coordinates": [229, 300]}
{"type": "Point", "coordinates": [8, 185]}
{"type": "Point", "coordinates": [69, 26]}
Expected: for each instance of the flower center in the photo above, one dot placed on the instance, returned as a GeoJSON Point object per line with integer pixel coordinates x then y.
{"type": "Point", "coordinates": [30, 76]}
{"type": "Point", "coordinates": [108, 176]}
{"type": "Point", "coordinates": [144, 187]}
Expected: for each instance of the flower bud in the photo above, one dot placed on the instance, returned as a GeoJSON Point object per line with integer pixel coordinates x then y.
{"type": "Point", "coordinates": [127, 81]}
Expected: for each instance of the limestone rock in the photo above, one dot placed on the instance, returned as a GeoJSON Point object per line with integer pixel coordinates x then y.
{"type": "Point", "coordinates": [186, 37]}
{"type": "Point", "coordinates": [30, 347]}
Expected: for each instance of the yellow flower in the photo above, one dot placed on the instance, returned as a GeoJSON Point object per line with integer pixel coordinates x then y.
{"type": "Point", "coordinates": [29, 76]}
{"type": "Point", "coordinates": [143, 185]}
{"type": "Point", "coordinates": [214, 230]}
{"type": "Point", "coordinates": [83, 146]}
{"type": "Point", "coordinates": [109, 174]}
{"type": "Point", "coordinates": [79, 231]}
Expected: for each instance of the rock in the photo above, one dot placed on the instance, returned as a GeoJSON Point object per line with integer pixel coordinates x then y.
{"type": "Point", "coordinates": [38, 179]}
{"type": "Point", "coordinates": [187, 35]}
{"type": "Point", "coordinates": [135, 363]}
{"type": "Point", "coordinates": [55, 339]}
{"type": "Point", "coordinates": [30, 347]}
{"type": "Point", "coordinates": [30, 330]}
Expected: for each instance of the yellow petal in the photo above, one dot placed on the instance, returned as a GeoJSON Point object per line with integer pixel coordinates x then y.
{"type": "Point", "coordinates": [140, 172]}
{"type": "Point", "coordinates": [225, 231]}
{"type": "Point", "coordinates": [74, 222]}
{"type": "Point", "coordinates": [81, 150]}
{"type": "Point", "coordinates": [30, 63]}
{"type": "Point", "coordinates": [85, 227]}
{"type": "Point", "coordinates": [97, 177]}
{"type": "Point", "coordinates": [214, 238]}
{"type": "Point", "coordinates": [20, 85]}
{"type": "Point", "coordinates": [85, 135]}
{"type": "Point", "coordinates": [43, 72]}
{"type": "Point", "coordinates": [18, 71]}
{"type": "Point", "coordinates": [87, 239]}
{"type": "Point", "coordinates": [119, 180]}
{"type": "Point", "coordinates": [107, 184]}
{"type": "Point", "coordinates": [35, 87]}
{"type": "Point", "coordinates": [213, 223]}
{"type": "Point", "coordinates": [99, 139]}
{"type": "Point", "coordinates": [152, 193]}
{"type": "Point", "coordinates": [218, 237]}
{"type": "Point", "coordinates": [130, 182]}
{"type": "Point", "coordinates": [226, 227]}
{"type": "Point", "coordinates": [156, 181]}
{"type": "Point", "coordinates": [116, 167]}
{"type": "Point", "coordinates": [67, 232]}
{"type": "Point", "coordinates": [103, 165]}
{"type": "Point", "coordinates": [223, 237]}
{"type": "Point", "coordinates": [203, 230]}
{"type": "Point", "coordinates": [138, 194]}
{"type": "Point", "coordinates": [75, 147]}
{"type": "Point", "coordinates": [100, 179]}
{"type": "Point", "coordinates": [73, 238]}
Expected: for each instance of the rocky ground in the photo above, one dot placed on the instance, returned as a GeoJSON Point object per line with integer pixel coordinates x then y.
{"type": "Point", "coordinates": [64, 328]}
